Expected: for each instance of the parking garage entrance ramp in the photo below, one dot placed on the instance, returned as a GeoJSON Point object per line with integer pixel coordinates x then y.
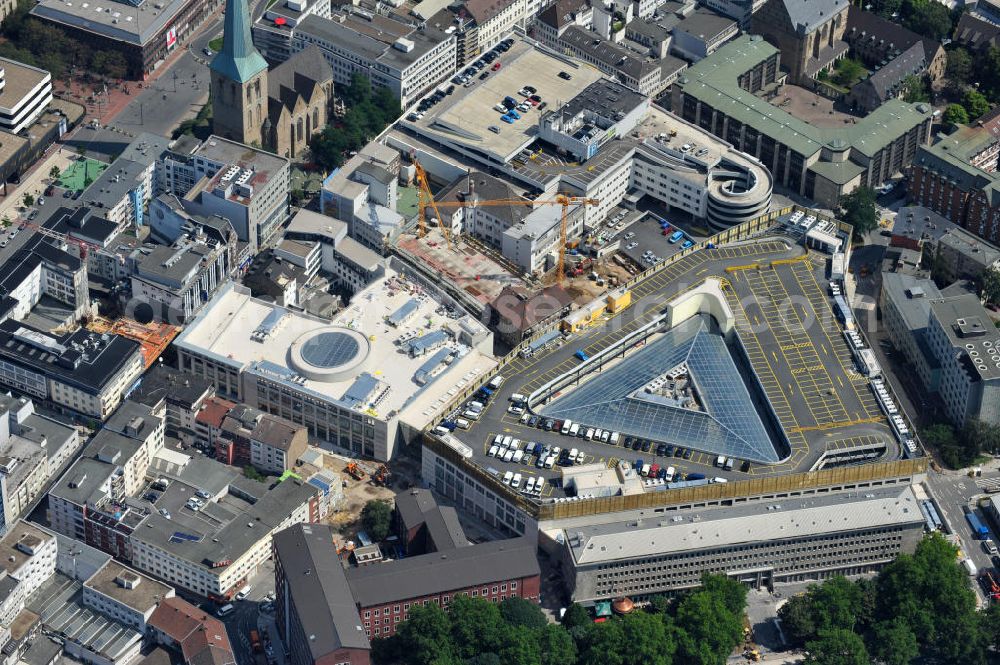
{"type": "Point", "coordinates": [716, 414]}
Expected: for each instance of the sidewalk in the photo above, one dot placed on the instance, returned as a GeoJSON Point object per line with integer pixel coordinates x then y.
{"type": "Point", "coordinates": [105, 108]}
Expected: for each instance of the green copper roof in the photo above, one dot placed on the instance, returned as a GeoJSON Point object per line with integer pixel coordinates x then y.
{"type": "Point", "coordinates": [239, 59]}
{"type": "Point", "coordinates": [715, 81]}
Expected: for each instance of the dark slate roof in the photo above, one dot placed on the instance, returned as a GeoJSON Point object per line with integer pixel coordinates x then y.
{"type": "Point", "coordinates": [318, 589]}
{"type": "Point", "coordinates": [444, 529]}
{"type": "Point", "coordinates": [561, 12]}
{"type": "Point", "coordinates": [417, 506]}
{"type": "Point", "coordinates": [872, 25]}
{"type": "Point", "coordinates": [296, 78]}
{"type": "Point", "coordinates": [89, 366]}
{"type": "Point", "coordinates": [486, 187]}
{"type": "Point", "coordinates": [412, 506]}
{"type": "Point", "coordinates": [83, 224]}
{"type": "Point", "coordinates": [976, 33]}
{"type": "Point", "coordinates": [811, 13]}
{"type": "Point", "coordinates": [441, 572]}
{"type": "Point", "coordinates": [164, 383]}
{"type": "Point", "coordinates": [887, 80]}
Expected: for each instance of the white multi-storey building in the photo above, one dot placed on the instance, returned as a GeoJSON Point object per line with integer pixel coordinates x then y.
{"type": "Point", "coordinates": [124, 595]}
{"type": "Point", "coordinates": [28, 559]}
{"type": "Point", "coordinates": [216, 560]}
{"type": "Point", "coordinates": [966, 344]}
{"type": "Point", "coordinates": [25, 92]}
{"type": "Point", "coordinates": [406, 59]}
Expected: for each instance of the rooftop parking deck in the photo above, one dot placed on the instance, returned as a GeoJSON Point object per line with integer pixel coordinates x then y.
{"type": "Point", "coordinates": [821, 405]}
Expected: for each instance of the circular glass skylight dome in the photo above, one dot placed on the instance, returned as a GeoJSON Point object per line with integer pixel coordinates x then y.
{"type": "Point", "coordinates": [329, 355]}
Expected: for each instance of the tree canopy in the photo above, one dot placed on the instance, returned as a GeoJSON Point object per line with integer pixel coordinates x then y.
{"type": "Point", "coordinates": [920, 604]}
{"type": "Point", "coordinates": [376, 517]}
{"type": "Point", "coordinates": [927, 18]}
{"type": "Point", "coordinates": [990, 285]}
{"type": "Point", "coordinates": [858, 209]}
{"type": "Point", "coordinates": [960, 448]}
{"type": "Point", "coordinates": [368, 113]}
{"type": "Point", "coordinates": [955, 114]}
{"type": "Point", "coordinates": [975, 103]}
{"type": "Point", "coordinates": [699, 628]}
{"type": "Point", "coordinates": [44, 45]}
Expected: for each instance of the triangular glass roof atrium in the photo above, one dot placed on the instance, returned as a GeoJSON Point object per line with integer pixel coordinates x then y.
{"type": "Point", "coordinates": [719, 417]}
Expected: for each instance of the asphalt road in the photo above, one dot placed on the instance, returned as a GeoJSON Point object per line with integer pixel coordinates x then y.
{"type": "Point", "coordinates": [178, 94]}
{"type": "Point", "coordinates": [951, 492]}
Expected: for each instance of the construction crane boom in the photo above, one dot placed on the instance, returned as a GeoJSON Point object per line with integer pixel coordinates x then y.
{"type": "Point", "coordinates": [425, 198]}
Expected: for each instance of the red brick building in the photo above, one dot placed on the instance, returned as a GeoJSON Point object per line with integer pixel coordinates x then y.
{"type": "Point", "coordinates": [340, 611]}
{"type": "Point", "coordinates": [495, 571]}
{"type": "Point", "coordinates": [957, 178]}
{"type": "Point", "coordinates": [199, 637]}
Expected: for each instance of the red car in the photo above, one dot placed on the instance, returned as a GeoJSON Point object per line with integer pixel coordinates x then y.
{"type": "Point", "coordinates": [496, 65]}
{"type": "Point", "coordinates": [532, 101]}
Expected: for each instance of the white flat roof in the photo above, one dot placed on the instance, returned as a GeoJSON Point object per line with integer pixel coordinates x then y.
{"type": "Point", "coordinates": [225, 329]}
{"type": "Point", "coordinates": [702, 529]}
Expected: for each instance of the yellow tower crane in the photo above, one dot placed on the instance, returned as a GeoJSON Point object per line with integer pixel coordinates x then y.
{"type": "Point", "coordinates": [564, 200]}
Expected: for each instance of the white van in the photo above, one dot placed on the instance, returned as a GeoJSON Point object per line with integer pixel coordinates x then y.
{"type": "Point", "coordinates": [605, 435]}
{"type": "Point", "coordinates": [244, 593]}
{"type": "Point", "coordinates": [498, 439]}
{"type": "Point", "coordinates": [507, 477]}
{"type": "Point", "coordinates": [597, 434]}
{"type": "Point", "coordinates": [508, 456]}
{"type": "Point", "coordinates": [475, 406]}
{"type": "Point", "coordinates": [567, 424]}
{"type": "Point", "coordinates": [550, 461]}
{"type": "Point", "coordinates": [613, 440]}
{"type": "Point", "coordinates": [516, 482]}
{"type": "Point", "coordinates": [720, 460]}
{"type": "Point", "coordinates": [495, 382]}
{"type": "Point", "coordinates": [589, 434]}
{"type": "Point", "coordinates": [518, 398]}
{"type": "Point", "coordinates": [493, 451]}
{"type": "Point", "coordinates": [462, 423]}
{"type": "Point", "coordinates": [518, 456]}
{"type": "Point", "coordinates": [573, 454]}
{"type": "Point", "coordinates": [539, 483]}
{"type": "Point", "coordinates": [574, 430]}
{"type": "Point", "coordinates": [469, 414]}
{"type": "Point", "coordinates": [505, 443]}
{"type": "Point", "coordinates": [719, 480]}
{"type": "Point", "coordinates": [225, 610]}
{"type": "Point", "coordinates": [671, 471]}
{"type": "Point", "coordinates": [645, 470]}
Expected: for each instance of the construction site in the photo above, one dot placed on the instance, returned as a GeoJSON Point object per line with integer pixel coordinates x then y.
{"type": "Point", "coordinates": [154, 337]}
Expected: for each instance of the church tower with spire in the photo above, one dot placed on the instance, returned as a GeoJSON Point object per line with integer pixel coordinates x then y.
{"type": "Point", "coordinates": [239, 81]}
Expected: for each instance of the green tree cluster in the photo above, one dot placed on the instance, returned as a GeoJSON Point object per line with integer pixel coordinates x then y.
{"type": "Point", "coordinates": [927, 18]}
{"type": "Point", "coordinates": [849, 72]}
{"type": "Point", "coordinates": [376, 517]}
{"type": "Point", "coordinates": [975, 103]}
{"type": "Point", "coordinates": [920, 604]}
{"type": "Point", "coordinates": [858, 209]}
{"type": "Point", "coordinates": [961, 448]}
{"type": "Point", "coordinates": [982, 68]}
{"type": "Point", "coordinates": [369, 112]}
{"type": "Point", "coordinates": [700, 628]}
{"type": "Point", "coordinates": [916, 89]}
{"type": "Point", "coordinates": [41, 44]}
{"type": "Point", "coordinates": [989, 286]}
{"type": "Point", "coordinates": [955, 114]}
